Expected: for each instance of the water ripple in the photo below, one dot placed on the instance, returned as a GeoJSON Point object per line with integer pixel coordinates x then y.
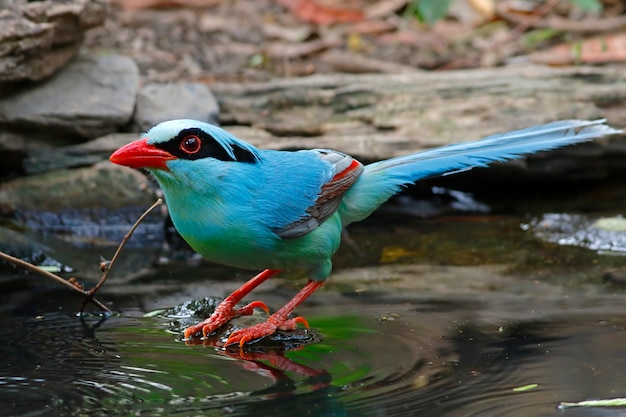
{"type": "Point", "coordinates": [369, 359]}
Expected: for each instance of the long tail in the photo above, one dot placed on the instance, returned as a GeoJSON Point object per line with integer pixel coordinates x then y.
{"type": "Point", "coordinates": [383, 179]}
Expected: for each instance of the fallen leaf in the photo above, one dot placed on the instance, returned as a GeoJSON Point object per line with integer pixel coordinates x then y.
{"type": "Point", "coordinates": [597, 50]}
{"type": "Point", "coordinates": [384, 8]}
{"type": "Point", "coordinates": [525, 388]}
{"type": "Point", "coordinates": [611, 224]}
{"type": "Point", "coordinates": [487, 8]}
{"type": "Point", "coordinates": [393, 254]}
{"type": "Point", "coordinates": [371, 27]}
{"type": "Point", "coordinates": [314, 12]}
{"type": "Point", "coordinates": [130, 5]}
{"type": "Point", "coordinates": [295, 50]}
{"type": "Point", "coordinates": [357, 64]}
{"type": "Point", "coordinates": [611, 402]}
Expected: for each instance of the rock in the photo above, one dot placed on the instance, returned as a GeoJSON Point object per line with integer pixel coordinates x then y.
{"type": "Point", "coordinates": [617, 277]}
{"type": "Point", "coordinates": [604, 234]}
{"type": "Point", "coordinates": [94, 205]}
{"type": "Point", "coordinates": [160, 102]}
{"type": "Point", "coordinates": [187, 314]}
{"type": "Point", "coordinates": [27, 248]}
{"type": "Point", "coordinates": [12, 152]}
{"type": "Point", "coordinates": [84, 154]}
{"type": "Point", "coordinates": [37, 38]}
{"type": "Point", "coordinates": [94, 95]}
{"type": "Point", "coordinates": [380, 116]}
{"type": "Point", "coordinates": [103, 185]}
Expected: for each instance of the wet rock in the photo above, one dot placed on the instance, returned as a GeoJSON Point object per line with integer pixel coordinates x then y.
{"type": "Point", "coordinates": [617, 277]}
{"type": "Point", "coordinates": [84, 154]}
{"type": "Point", "coordinates": [94, 205]}
{"type": "Point", "coordinates": [160, 102]}
{"type": "Point", "coordinates": [603, 234]}
{"type": "Point", "coordinates": [191, 312]}
{"type": "Point", "coordinates": [92, 96]}
{"type": "Point", "coordinates": [12, 152]}
{"type": "Point", "coordinates": [29, 249]}
{"type": "Point", "coordinates": [37, 38]}
{"type": "Point", "coordinates": [414, 280]}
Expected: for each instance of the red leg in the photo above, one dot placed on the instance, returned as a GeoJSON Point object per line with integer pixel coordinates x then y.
{"type": "Point", "coordinates": [278, 320]}
{"type": "Point", "coordinates": [225, 310]}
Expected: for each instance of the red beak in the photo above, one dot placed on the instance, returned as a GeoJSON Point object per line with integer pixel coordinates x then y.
{"type": "Point", "coordinates": [140, 154]}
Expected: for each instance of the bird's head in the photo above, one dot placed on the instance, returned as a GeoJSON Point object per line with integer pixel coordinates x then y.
{"type": "Point", "coordinates": [179, 150]}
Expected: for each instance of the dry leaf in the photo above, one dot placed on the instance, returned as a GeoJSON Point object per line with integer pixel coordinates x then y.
{"type": "Point", "coordinates": [384, 8]}
{"type": "Point", "coordinates": [599, 50]}
{"type": "Point", "coordinates": [486, 8]}
{"type": "Point", "coordinates": [314, 12]}
{"type": "Point", "coordinates": [130, 5]}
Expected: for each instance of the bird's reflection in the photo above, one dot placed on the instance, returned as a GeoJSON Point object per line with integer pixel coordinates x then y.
{"type": "Point", "coordinates": [269, 360]}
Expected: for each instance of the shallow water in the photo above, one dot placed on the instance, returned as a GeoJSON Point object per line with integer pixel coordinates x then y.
{"type": "Point", "coordinates": [413, 359]}
{"type": "Point", "coordinates": [460, 315]}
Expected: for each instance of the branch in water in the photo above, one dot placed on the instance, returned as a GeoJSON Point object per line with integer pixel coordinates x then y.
{"type": "Point", "coordinates": [107, 265]}
{"type": "Point", "coordinates": [88, 296]}
{"type": "Point", "coordinates": [52, 276]}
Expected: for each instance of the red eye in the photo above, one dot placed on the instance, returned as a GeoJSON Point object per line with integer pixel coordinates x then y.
{"type": "Point", "coordinates": [190, 144]}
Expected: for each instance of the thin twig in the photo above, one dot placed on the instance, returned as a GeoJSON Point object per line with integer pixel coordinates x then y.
{"type": "Point", "coordinates": [52, 276]}
{"type": "Point", "coordinates": [92, 292]}
{"type": "Point", "coordinates": [88, 296]}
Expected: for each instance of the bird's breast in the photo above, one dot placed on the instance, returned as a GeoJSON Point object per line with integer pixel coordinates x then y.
{"type": "Point", "coordinates": [248, 244]}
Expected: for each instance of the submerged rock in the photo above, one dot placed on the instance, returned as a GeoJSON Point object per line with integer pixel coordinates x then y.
{"type": "Point", "coordinates": [28, 249]}
{"type": "Point", "coordinates": [191, 312]}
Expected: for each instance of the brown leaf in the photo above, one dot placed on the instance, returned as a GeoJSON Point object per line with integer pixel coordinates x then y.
{"type": "Point", "coordinates": [487, 8]}
{"type": "Point", "coordinates": [354, 63]}
{"type": "Point", "coordinates": [384, 8]}
{"type": "Point", "coordinates": [314, 12]}
{"type": "Point", "coordinates": [599, 50]}
{"type": "Point", "coordinates": [371, 27]}
{"type": "Point", "coordinates": [130, 5]}
{"type": "Point", "coordinates": [295, 50]}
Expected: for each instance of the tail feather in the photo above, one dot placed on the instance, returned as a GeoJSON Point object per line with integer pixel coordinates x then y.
{"type": "Point", "coordinates": [383, 179]}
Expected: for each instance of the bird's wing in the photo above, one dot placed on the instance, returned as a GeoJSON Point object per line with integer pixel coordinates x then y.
{"type": "Point", "coordinates": [345, 171]}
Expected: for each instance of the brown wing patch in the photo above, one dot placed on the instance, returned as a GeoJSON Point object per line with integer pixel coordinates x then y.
{"type": "Point", "coordinates": [348, 171]}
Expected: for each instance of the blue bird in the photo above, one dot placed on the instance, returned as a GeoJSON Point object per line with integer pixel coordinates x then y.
{"type": "Point", "coordinates": [250, 208]}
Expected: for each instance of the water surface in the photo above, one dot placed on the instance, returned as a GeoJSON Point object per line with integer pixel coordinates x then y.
{"type": "Point", "coordinates": [467, 314]}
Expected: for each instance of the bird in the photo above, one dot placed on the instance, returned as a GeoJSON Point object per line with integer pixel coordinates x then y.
{"type": "Point", "coordinates": [275, 210]}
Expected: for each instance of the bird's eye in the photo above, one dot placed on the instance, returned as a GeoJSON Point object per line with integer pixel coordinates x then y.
{"type": "Point", "coordinates": [190, 144]}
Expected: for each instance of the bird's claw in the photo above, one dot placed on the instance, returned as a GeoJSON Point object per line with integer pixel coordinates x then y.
{"type": "Point", "coordinates": [267, 328]}
{"type": "Point", "coordinates": [249, 309]}
{"type": "Point", "coordinates": [292, 324]}
{"type": "Point", "coordinates": [222, 315]}
{"type": "Point", "coordinates": [206, 327]}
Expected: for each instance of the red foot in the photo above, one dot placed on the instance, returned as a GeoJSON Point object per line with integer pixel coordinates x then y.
{"type": "Point", "coordinates": [267, 328]}
{"type": "Point", "coordinates": [278, 320]}
{"type": "Point", "coordinates": [222, 315]}
{"type": "Point", "coordinates": [225, 311]}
